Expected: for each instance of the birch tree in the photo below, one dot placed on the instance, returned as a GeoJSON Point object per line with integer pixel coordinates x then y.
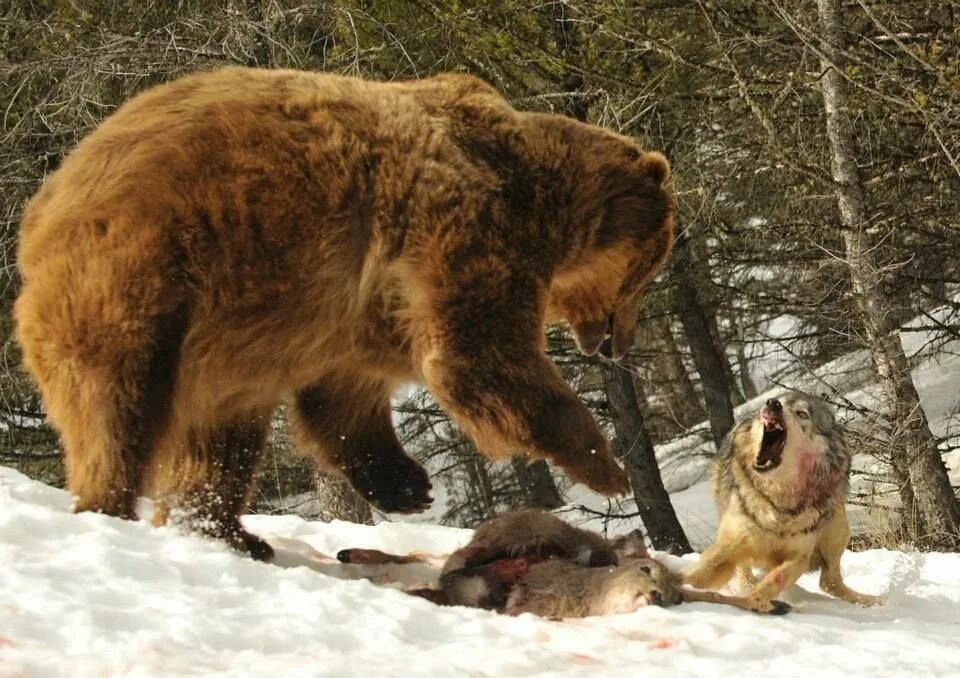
{"type": "Point", "coordinates": [917, 461]}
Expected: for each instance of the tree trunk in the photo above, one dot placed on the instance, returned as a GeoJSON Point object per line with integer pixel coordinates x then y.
{"type": "Point", "coordinates": [632, 443]}
{"type": "Point", "coordinates": [483, 502]}
{"type": "Point", "coordinates": [337, 500]}
{"type": "Point", "coordinates": [747, 385]}
{"type": "Point", "coordinates": [698, 256]}
{"type": "Point", "coordinates": [259, 54]}
{"type": "Point", "coordinates": [707, 356]}
{"type": "Point", "coordinates": [683, 403]}
{"type": "Point", "coordinates": [536, 484]}
{"type": "Point", "coordinates": [566, 35]}
{"type": "Point", "coordinates": [633, 446]}
{"type": "Point", "coordinates": [736, 395]}
{"type": "Point", "coordinates": [918, 459]}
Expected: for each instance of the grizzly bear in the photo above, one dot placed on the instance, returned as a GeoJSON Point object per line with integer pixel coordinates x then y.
{"type": "Point", "coordinates": [239, 236]}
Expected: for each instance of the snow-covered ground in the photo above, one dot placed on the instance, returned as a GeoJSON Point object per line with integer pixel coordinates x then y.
{"type": "Point", "coordinates": [89, 595]}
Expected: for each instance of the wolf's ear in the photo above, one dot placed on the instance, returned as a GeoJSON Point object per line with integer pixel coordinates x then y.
{"type": "Point", "coordinates": [825, 417]}
{"type": "Point", "coordinates": [656, 166]}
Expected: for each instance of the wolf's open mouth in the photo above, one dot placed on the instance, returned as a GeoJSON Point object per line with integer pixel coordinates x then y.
{"type": "Point", "coordinates": [771, 445]}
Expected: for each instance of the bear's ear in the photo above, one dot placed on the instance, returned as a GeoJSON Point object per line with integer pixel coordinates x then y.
{"type": "Point", "coordinates": [656, 166]}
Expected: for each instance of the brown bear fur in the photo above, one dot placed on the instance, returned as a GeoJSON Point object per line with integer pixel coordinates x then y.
{"type": "Point", "coordinates": [237, 236]}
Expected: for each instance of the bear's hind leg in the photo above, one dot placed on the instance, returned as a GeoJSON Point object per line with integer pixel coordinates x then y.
{"type": "Point", "coordinates": [213, 481]}
{"type": "Point", "coordinates": [344, 423]}
{"type": "Point", "coordinates": [104, 459]}
{"type": "Point", "coordinates": [109, 401]}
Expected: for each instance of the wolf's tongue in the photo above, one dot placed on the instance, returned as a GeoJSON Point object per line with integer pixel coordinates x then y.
{"type": "Point", "coordinates": [768, 454]}
{"type": "Point", "coordinates": [771, 448]}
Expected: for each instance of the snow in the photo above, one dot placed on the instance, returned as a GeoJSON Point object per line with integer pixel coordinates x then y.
{"type": "Point", "coordinates": [90, 595]}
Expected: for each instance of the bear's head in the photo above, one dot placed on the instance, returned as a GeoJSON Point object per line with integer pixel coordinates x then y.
{"type": "Point", "coordinates": [624, 227]}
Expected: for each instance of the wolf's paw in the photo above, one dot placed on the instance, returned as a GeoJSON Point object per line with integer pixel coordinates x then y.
{"type": "Point", "coordinates": [779, 607]}
{"type": "Point", "coordinates": [868, 601]}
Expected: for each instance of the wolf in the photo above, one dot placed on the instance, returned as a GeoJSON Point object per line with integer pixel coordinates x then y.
{"type": "Point", "coordinates": [780, 482]}
{"type": "Point", "coordinates": [531, 561]}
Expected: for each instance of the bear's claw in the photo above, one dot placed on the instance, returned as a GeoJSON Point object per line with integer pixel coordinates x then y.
{"type": "Point", "coordinates": [399, 485]}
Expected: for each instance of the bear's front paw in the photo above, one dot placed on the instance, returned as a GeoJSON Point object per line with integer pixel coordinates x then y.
{"type": "Point", "coordinates": [566, 434]}
{"type": "Point", "coordinates": [395, 485]}
{"type": "Point", "coordinates": [601, 473]}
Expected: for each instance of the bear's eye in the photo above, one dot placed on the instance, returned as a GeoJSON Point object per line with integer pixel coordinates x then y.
{"type": "Point", "coordinates": [803, 414]}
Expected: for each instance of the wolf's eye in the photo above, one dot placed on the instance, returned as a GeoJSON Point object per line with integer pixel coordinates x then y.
{"type": "Point", "coordinates": [802, 414]}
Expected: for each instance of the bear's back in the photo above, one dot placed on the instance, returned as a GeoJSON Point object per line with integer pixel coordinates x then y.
{"type": "Point", "coordinates": [168, 146]}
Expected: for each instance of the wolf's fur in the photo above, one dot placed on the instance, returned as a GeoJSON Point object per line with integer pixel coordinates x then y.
{"type": "Point", "coordinates": [239, 236]}
{"type": "Point", "coordinates": [785, 516]}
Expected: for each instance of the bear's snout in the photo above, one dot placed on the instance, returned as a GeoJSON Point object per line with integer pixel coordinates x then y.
{"type": "Point", "coordinates": [590, 335]}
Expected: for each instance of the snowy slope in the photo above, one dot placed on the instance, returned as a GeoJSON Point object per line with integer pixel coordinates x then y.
{"type": "Point", "coordinates": [88, 595]}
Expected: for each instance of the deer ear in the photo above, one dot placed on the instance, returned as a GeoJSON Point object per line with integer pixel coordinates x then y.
{"type": "Point", "coordinates": [630, 545]}
{"type": "Point", "coordinates": [656, 166]}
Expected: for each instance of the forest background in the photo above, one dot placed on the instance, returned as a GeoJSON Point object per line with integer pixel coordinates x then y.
{"type": "Point", "coordinates": [815, 148]}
